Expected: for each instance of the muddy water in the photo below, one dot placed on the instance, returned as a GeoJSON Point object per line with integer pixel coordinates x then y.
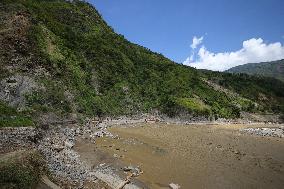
{"type": "Point", "coordinates": [198, 156]}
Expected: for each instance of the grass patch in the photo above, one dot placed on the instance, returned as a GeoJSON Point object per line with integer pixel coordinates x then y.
{"type": "Point", "coordinates": [16, 121]}
{"type": "Point", "coordinates": [10, 117]}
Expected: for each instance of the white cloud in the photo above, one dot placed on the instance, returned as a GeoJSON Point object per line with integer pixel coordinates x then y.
{"type": "Point", "coordinates": [196, 41]}
{"type": "Point", "coordinates": [253, 51]}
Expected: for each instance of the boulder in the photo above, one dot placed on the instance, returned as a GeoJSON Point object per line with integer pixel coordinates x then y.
{"type": "Point", "coordinates": [69, 144]}
{"type": "Point", "coordinates": [135, 171]}
{"type": "Point", "coordinates": [58, 148]}
{"type": "Point", "coordinates": [174, 186]}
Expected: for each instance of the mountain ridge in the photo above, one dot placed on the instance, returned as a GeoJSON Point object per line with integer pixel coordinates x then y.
{"type": "Point", "coordinates": [273, 69]}
{"type": "Point", "coordinates": [60, 57]}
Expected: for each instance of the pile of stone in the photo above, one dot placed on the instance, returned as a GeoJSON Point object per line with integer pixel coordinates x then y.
{"type": "Point", "coordinates": [102, 133]}
{"type": "Point", "coordinates": [16, 138]}
{"type": "Point", "coordinates": [63, 162]}
{"type": "Point", "coordinates": [93, 131]}
{"type": "Point", "coordinates": [134, 170]}
{"type": "Point", "coordinates": [56, 145]}
{"type": "Point", "coordinates": [269, 132]}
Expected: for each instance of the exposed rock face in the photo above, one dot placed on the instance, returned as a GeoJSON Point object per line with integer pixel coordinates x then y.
{"type": "Point", "coordinates": [13, 89]}
{"type": "Point", "coordinates": [14, 43]}
{"type": "Point", "coordinates": [265, 118]}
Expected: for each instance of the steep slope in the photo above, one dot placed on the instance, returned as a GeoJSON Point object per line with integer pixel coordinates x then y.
{"type": "Point", "coordinates": [61, 57]}
{"type": "Point", "coordinates": [273, 69]}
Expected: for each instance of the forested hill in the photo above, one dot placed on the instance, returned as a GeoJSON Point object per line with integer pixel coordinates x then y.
{"type": "Point", "coordinates": [61, 57]}
{"type": "Point", "coordinates": [268, 69]}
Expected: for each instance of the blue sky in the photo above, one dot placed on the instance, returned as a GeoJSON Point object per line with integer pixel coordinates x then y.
{"type": "Point", "coordinates": [168, 26]}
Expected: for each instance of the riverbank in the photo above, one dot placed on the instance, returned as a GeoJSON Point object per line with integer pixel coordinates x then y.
{"type": "Point", "coordinates": [75, 158]}
{"type": "Point", "coordinates": [195, 156]}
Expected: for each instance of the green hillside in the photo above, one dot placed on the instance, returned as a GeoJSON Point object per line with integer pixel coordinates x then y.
{"type": "Point", "coordinates": [273, 69]}
{"type": "Point", "coordinates": [62, 57]}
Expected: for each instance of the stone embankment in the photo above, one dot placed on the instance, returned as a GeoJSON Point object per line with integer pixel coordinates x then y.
{"type": "Point", "coordinates": [12, 139]}
{"type": "Point", "coordinates": [268, 132]}
{"type": "Point", "coordinates": [56, 145]}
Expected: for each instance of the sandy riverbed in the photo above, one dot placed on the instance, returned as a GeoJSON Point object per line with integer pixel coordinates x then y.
{"type": "Point", "coordinates": [193, 156]}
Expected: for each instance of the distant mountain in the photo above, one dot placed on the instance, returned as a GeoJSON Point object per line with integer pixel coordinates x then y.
{"type": "Point", "coordinates": [268, 69]}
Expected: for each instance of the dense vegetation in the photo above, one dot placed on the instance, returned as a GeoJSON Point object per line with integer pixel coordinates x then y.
{"type": "Point", "coordinates": [273, 69]}
{"type": "Point", "coordinates": [91, 70]}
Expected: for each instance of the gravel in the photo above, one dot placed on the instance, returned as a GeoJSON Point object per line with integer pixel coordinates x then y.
{"type": "Point", "coordinates": [268, 132]}
{"type": "Point", "coordinates": [63, 162]}
{"type": "Point", "coordinates": [17, 138]}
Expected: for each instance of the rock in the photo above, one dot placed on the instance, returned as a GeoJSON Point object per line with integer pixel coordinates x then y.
{"type": "Point", "coordinates": [16, 138]}
{"type": "Point", "coordinates": [121, 156]}
{"type": "Point", "coordinates": [174, 186]}
{"type": "Point", "coordinates": [99, 134]}
{"type": "Point", "coordinates": [236, 152]}
{"type": "Point", "coordinates": [116, 137]}
{"type": "Point", "coordinates": [68, 144]}
{"type": "Point", "coordinates": [14, 89]}
{"type": "Point", "coordinates": [58, 148]}
{"type": "Point", "coordinates": [128, 168]}
{"type": "Point", "coordinates": [102, 133]}
{"type": "Point", "coordinates": [102, 164]}
{"type": "Point", "coordinates": [271, 132]}
{"type": "Point", "coordinates": [56, 145]}
{"type": "Point", "coordinates": [135, 171]}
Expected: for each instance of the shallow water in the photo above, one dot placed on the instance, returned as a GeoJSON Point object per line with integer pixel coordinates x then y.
{"type": "Point", "coordinates": [198, 156]}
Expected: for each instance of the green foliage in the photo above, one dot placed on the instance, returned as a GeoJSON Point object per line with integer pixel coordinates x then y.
{"type": "Point", "coordinates": [52, 99]}
{"type": "Point", "coordinates": [244, 104]}
{"type": "Point", "coordinates": [9, 117]}
{"type": "Point", "coordinates": [6, 110]}
{"type": "Point", "coordinates": [193, 105]}
{"type": "Point", "coordinates": [108, 75]}
{"type": "Point", "coordinates": [3, 72]}
{"type": "Point", "coordinates": [23, 171]}
{"type": "Point", "coordinates": [16, 121]}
